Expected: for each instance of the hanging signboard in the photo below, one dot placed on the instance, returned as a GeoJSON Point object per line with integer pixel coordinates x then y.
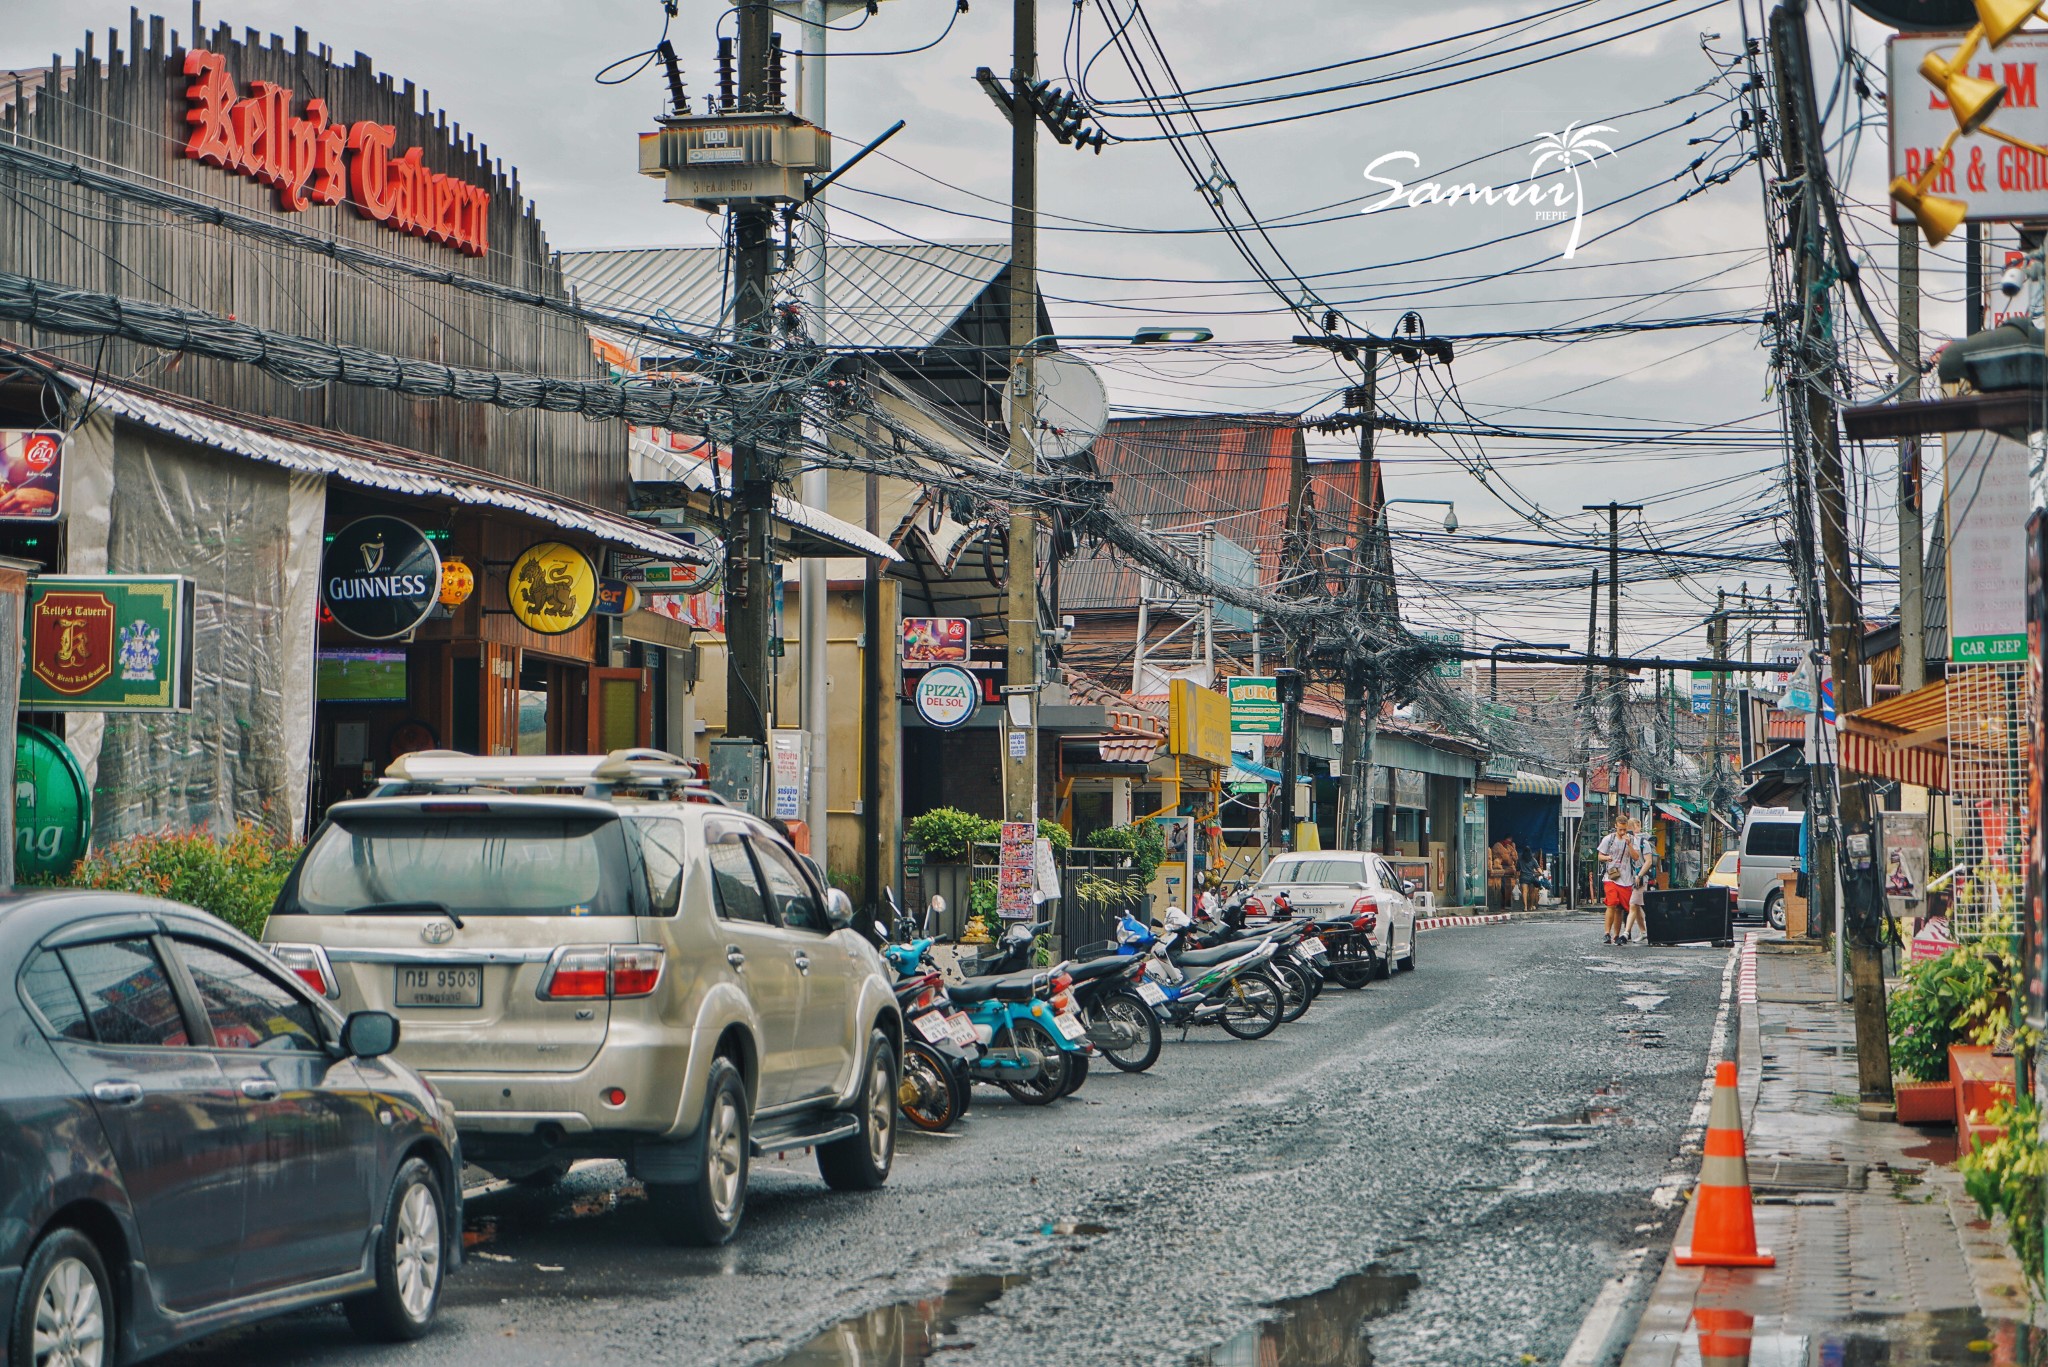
{"type": "Point", "coordinates": [1197, 723]}
{"type": "Point", "coordinates": [615, 598]}
{"type": "Point", "coordinates": [947, 696]}
{"type": "Point", "coordinates": [52, 805]}
{"type": "Point", "coordinates": [1987, 503]}
{"type": "Point", "coordinates": [115, 644]}
{"type": "Point", "coordinates": [665, 576]}
{"type": "Point", "coordinates": [1454, 640]}
{"type": "Point", "coordinates": [1255, 706]}
{"type": "Point", "coordinates": [31, 475]}
{"type": "Point", "coordinates": [552, 588]}
{"type": "Point", "coordinates": [1997, 180]}
{"type": "Point", "coordinates": [1016, 871]}
{"type": "Point", "coordinates": [380, 577]}
{"type": "Point", "coordinates": [1702, 693]}
{"type": "Point", "coordinates": [1903, 838]}
{"type": "Point", "coordinates": [935, 640]}
{"type": "Point", "coordinates": [790, 773]}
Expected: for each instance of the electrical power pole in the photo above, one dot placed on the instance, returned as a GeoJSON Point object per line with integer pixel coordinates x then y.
{"type": "Point", "coordinates": [1361, 682]}
{"type": "Point", "coordinates": [812, 484]}
{"type": "Point", "coordinates": [1020, 754]}
{"type": "Point", "coordinates": [1617, 692]}
{"type": "Point", "coordinates": [1912, 593]}
{"type": "Point", "coordinates": [750, 574]}
{"type": "Point", "coordinates": [1717, 636]}
{"type": "Point", "coordinates": [1293, 564]}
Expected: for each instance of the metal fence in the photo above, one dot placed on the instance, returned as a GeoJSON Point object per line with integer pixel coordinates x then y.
{"type": "Point", "coordinates": [1097, 886]}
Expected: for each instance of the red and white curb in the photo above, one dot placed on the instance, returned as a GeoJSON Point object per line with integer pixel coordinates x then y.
{"type": "Point", "coordinates": [1746, 979]}
{"type": "Point", "coordinates": [1439, 922]}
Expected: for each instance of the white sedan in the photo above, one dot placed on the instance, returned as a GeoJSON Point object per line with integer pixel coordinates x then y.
{"type": "Point", "coordinates": [1326, 884]}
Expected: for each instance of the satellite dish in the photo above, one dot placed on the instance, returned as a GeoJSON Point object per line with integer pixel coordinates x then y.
{"type": "Point", "coordinates": [1072, 408]}
{"type": "Point", "coordinates": [1920, 16]}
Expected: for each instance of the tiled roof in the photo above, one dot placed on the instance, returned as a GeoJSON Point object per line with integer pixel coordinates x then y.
{"type": "Point", "coordinates": [891, 296]}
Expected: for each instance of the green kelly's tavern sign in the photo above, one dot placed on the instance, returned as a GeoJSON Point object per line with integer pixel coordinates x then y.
{"type": "Point", "coordinates": [119, 643]}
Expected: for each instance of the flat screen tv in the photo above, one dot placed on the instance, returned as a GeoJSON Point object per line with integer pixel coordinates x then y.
{"type": "Point", "coordinates": [361, 676]}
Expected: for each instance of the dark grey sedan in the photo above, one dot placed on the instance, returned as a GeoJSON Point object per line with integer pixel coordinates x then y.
{"type": "Point", "coordinates": [191, 1139]}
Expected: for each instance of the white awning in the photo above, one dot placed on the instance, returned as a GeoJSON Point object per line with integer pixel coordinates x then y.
{"type": "Point", "coordinates": [420, 478]}
{"type": "Point", "coordinates": [1542, 785]}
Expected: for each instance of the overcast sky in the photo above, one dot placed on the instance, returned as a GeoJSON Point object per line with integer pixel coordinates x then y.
{"type": "Point", "coordinates": [519, 75]}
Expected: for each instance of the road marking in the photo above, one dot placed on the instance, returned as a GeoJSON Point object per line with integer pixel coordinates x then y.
{"type": "Point", "coordinates": [1748, 979]}
{"type": "Point", "coordinates": [1589, 1347]}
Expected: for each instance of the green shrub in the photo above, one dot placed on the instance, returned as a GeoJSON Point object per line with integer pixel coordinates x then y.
{"type": "Point", "coordinates": [1057, 834]}
{"type": "Point", "coordinates": [1944, 1000]}
{"type": "Point", "coordinates": [1143, 841]}
{"type": "Point", "coordinates": [237, 878]}
{"type": "Point", "coordinates": [2006, 1176]}
{"type": "Point", "coordinates": [948, 835]}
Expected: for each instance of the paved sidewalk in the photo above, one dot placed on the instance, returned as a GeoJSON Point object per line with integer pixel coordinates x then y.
{"type": "Point", "coordinates": [1882, 1258]}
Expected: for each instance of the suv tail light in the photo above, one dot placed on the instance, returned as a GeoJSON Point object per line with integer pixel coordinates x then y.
{"type": "Point", "coordinates": [309, 962]}
{"type": "Point", "coordinates": [585, 972]}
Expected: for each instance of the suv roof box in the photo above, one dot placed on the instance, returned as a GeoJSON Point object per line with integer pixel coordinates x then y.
{"type": "Point", "coordinates": [595, 775]}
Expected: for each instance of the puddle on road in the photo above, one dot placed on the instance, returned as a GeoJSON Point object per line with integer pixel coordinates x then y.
{"type": "Point", "coordinates": [1061, 1229]}
{"type": "Point", "coordinates": [1943, 1338]}
{"type": "Point", "coordinates": [1939, 1148]}
{"type": "Point", "coordinates": [905, 1334]}
{"type": "Point", "coordinates": [1326, 1329]}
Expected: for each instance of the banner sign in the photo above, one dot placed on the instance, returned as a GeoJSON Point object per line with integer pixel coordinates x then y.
{"type": "Point", "coordinates": [791, 771]}
{"type": "Point", "coordinates": [947, 696]}
{"type": "Point", "coordinates": [1446, 669]}
{"type": "Point", "coordinates": [1702, 693]}
{"type": "Point", "coordinates": [1903, 839]}
{"type": "Point", "coordinates": [552, 588]}
{"type": "Point", "coordinates": [380, 577]}
{"type": "Point", "coordinates": [1996, 179]}
{"type": "Point", "coordinates": [1987, 503]}
{"type": "Point", "coordinates": [935, 640]}
{"type": "Point", "coordinates": [665, 576]}
{"type": "Point", "coordinates": [1197, 723]}
{"type": "Point", "coordinates": [309, 160]}
{"type": "Point", "coordinates": [1016, 873]}
{"type": "Point", "coordinates": [31, 475]}
{"type": "Point", "coordinates": [1255, 706]}
{"type": "Point", "coordinates": [114, 644]}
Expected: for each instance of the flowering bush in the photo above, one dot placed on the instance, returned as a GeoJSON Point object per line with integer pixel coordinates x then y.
{"type": "Point", "coordinates": [236, 878]}
{"type": "Point", "coordinates": [2006, 1176]}
{"type": "Point", "coordinates": [1951, 999]}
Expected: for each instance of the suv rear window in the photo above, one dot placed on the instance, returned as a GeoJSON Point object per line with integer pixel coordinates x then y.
{"type": "Point", "coordinates": [1772, 840]}
{"type": "Point", "coordinates": [1316, 871]}
{"type": "Point", "coordinates": [474, 866]}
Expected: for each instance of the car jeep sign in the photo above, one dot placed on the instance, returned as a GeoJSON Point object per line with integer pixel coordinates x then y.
{"type": "Point", "coordinates": [946, 697]}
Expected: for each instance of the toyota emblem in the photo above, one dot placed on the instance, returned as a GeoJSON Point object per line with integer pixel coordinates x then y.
{"type": "Point", "coordinates": [437, 932]}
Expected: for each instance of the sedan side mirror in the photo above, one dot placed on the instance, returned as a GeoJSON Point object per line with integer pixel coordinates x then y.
{"type": "Point", "coordinates": [838, 908]}
{"type": "Point", "coordinates": [369, 1034]}
{"type": "Point", "coordinates": [1407, 887]}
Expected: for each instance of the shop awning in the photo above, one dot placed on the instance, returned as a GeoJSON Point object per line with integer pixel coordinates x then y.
{"type": "Point", "coordinates": [1540, 784]}
{"type": "Point", "coordinates": [811, 531]}
{"type": "Point", "coordinates": [1246, 771]}
{"type": "Point", "coordinates": [420, 476]}
{"type": "Point", "coordinates": [1671, 811]}
{"type": "Point", "coordinates": [1904, 738]}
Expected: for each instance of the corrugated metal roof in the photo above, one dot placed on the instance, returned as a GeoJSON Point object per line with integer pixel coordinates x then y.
{"type": "Point", "coordinates": [384, 470]}
{"type": "Point", "coordinates": [889, 296]}
{"type": "Point", "coordinates": [1183, 472]}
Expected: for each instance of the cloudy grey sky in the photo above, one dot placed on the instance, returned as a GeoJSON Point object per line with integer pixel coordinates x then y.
{"type": "Point", "coordinates": [518, 74]}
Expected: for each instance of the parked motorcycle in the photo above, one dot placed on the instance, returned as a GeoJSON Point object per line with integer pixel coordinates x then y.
{"type": "Point", "coordinates": [1217, 986]}
{"type": "Point", "coordinates": [939, 1049]}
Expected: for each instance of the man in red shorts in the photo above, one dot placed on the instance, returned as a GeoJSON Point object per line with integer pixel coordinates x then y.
{"type": "Point", "coordinates": [1619, 877]}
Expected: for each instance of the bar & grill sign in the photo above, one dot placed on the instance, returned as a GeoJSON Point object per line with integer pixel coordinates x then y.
{"type": "Point", "coordinates": [114, 644]}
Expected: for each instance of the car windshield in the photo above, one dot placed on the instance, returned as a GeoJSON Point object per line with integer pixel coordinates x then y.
{"type": "Point", "coordinates": [1315, 871]}
{"type": "Point", "coordinates": [473, 866]}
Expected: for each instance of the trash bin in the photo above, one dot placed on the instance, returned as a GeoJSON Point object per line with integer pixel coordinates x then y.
{"type": "Point", "coordinates": [1677, 916]}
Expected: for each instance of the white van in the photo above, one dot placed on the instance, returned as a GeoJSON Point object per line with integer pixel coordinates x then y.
{"type": "Point", "coordinates": [1769, 847]}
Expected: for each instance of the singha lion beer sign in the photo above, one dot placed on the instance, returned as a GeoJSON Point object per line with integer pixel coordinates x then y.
{"type": "Point", "coordinates": [114, 644]}
{"type": "Point", "coordinates": [552, 587]}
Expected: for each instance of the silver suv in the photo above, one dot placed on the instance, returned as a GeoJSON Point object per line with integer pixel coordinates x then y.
{"type": "Point", "coordinates": [594, 957]}
{"type": "Point", "coordinates": [1770, 847]}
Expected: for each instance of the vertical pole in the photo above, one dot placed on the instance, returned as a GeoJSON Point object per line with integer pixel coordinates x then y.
{"type": "Point", "coordinates": [1293, 561]}
{"type": "Point", "coordinates": [879, 710]}
{"type": "Point", "coordinates": [1616, 698]}
{"type": "Point", "coordinates": [750, 582]}
{"type": "Point", "coordinates": [1912, 593]}
{"type": "Point", "coordinates": [1287, 683]}
{"type": "Point", "coordinates": [1361, 681]}
{"type": "Point", "coordinates": [1020, 752]}
{"type": "Point", "coordinates": [1717, 646]}
{"type": "Point", "coordinates": [811, 486]}
{"type": "Point", "coordinates": [1973, 277]}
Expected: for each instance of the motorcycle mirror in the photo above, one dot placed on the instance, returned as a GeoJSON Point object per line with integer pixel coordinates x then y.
{"type": "Point", "coordinates": [881, 932]}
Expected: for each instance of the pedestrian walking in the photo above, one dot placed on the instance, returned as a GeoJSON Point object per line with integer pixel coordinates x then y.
{"type": "Point", "coordinates": [1530, 870]}
{"type": "Point", "coordinates": [1637, 931]}
{"type": "Point", "coordinates": [1618, 878]}
{"type": "Point", "coordinates": [1503, 862]}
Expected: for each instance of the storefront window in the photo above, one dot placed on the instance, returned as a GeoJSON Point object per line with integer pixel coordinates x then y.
{"type": "Point", "coordinates": [533, 708]}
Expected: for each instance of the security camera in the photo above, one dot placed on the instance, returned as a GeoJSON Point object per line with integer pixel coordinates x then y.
{"type": "Point", "coordinates": [2012, 282]}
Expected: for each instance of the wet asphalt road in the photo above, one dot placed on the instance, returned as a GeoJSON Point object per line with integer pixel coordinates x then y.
{"type": "Point", "coordinates": [1485, 1135]}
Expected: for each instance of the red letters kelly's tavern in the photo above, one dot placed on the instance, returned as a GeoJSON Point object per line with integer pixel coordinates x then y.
{"type": "Point", "coordinates": [303, 156]}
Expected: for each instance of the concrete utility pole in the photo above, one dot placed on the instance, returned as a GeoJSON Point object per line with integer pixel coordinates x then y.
{"type": "Point", "coordinates": [1617, 692]}
{"type": "Point", "coordinates": [1800, 136]}
{"type": "Point", "coordinates": [1293, 563]}
{"type": "Point", "coordinates": [1020, 753]}
{"type": "Point", "coordinates": [1717, 646]}
{"type": "Point", "coordinates": [1362, 693]}
{"type": "Point", "coordinates": [1912, 593]}
{"type": "Point", "coordinates": [812, 486]}
{"type": "Point", "coordinates": [750, 573]}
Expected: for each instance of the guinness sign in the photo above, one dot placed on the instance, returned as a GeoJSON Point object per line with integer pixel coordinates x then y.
{"type": "Point", "coordinates": [380, 577]}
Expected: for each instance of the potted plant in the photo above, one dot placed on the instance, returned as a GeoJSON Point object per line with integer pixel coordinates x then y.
{"type": "Point", "coordinates": [1943, 1003]}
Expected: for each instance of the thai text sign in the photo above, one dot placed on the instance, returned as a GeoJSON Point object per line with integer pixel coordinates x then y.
{"type": "Point", "coordinates": [1255, 706]}
{"type": "Point", "coordinates": [1198, 723]}
{"type": "Point", "coordinates": [120, 644]}
{"type": "Point", "coordinates": [310, 160]}
{"type": "Point", "coordinates": [1988, 503]}
{"type": "Point", "coordinates": [1996, 179]}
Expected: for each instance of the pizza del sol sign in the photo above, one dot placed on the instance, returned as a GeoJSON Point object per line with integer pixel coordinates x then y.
{"type": "Point", "coordinates": [380, 577]}
{"type": "Point", "coordinates": [947, 696]}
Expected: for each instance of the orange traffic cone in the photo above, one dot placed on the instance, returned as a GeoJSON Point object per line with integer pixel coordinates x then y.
{"type": "Point", "coordinates": [1724, 1337]}
{"type": "Point", "coordinates": [1724, 1224]}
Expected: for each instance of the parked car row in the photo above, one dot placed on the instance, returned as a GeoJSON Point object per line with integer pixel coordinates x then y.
{"type": "Point", "coordinates": [513, 963]}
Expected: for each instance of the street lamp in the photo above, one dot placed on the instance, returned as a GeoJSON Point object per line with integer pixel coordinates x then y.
{"type": "Point", "coordinates": [1450, 516]}
{"type": "Point", "coordinates": [1493, 660]}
